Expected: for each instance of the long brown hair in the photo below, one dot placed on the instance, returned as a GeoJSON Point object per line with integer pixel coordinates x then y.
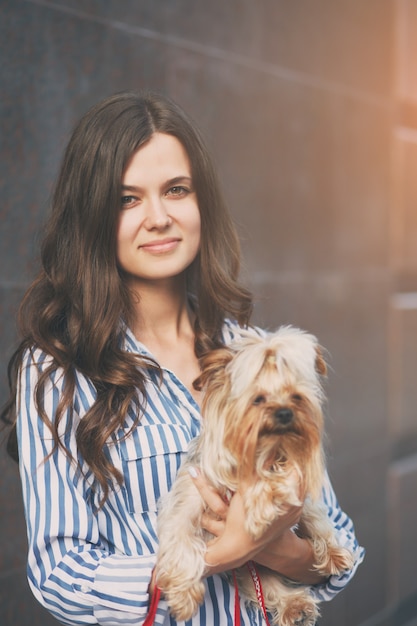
{"type": "Point", "coordinates": [73, 309]}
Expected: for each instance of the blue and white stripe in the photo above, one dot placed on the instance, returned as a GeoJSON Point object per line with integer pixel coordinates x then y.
{"type": "Point", "coordinates": [93, 566]}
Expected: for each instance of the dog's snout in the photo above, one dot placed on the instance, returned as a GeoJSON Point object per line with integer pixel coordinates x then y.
{"type": "Point", "coordinates": [284, 415]}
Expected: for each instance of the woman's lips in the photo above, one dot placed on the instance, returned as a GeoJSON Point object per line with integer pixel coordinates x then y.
{"type": "Point", "coordinates": [159, 246]}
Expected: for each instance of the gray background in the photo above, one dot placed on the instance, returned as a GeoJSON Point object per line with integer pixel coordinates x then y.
{"type": "Point", "coordinates": [310, 109]}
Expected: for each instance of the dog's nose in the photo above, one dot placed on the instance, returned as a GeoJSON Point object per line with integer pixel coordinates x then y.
{"type": "Point", "coordinates": [284, 415]}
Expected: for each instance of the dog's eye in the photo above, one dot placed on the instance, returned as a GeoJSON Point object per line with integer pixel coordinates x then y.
{"type": "Point", "coordinates": [296, 397]}
{"type": "Point", "coordinates": [259, 400]}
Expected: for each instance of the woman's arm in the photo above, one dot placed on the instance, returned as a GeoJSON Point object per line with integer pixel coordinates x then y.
{"type": "Point", "coordinates": [279, 548]}
{"type": "Point", "coordinates": [345, 535]}
{"type": "Point", "coordinates": [72, 568]}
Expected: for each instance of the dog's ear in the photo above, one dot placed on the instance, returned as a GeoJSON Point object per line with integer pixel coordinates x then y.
{"type": "Point", "coordinates": [321, 367]}
{"type": "Point", "coordinates": [212, 365]}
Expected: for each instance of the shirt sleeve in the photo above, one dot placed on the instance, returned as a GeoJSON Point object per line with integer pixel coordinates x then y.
{"type": "Point", "coordinates": [345, 535]}
{"type": "Point", "coordinates": [71, 571]}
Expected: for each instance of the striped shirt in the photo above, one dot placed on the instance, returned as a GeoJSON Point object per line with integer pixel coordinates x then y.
{"type": "Point", "coordinates": [93, 566]}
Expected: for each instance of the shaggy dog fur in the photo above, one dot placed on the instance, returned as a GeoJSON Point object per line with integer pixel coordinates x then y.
{"type": "Point", "coordinates": [262, 412]}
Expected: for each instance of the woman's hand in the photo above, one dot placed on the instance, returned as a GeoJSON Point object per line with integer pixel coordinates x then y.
{"type": "Point", "coordinates": [279, 548]}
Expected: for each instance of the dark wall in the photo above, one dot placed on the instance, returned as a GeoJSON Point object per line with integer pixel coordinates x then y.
{"type": "Point", "coordinates": [309, 111]}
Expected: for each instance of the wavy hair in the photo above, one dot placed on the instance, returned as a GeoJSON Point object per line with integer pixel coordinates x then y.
{"type": "Point", "coordinates": [73, 309]}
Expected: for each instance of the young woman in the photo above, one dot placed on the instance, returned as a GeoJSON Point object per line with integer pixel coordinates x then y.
{"type": "Point", "coordinates": [139, 278]}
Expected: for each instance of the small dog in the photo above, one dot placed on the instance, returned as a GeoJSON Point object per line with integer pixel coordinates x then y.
{"type": "Point", "coordinates": [262, 413]}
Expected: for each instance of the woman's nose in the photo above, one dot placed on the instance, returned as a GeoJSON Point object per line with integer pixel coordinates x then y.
{"type": "Point", "coordinates": [157, 216]}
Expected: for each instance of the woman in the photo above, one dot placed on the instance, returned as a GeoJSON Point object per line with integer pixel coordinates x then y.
{"type": "Point", "coordinates": [139, 278]}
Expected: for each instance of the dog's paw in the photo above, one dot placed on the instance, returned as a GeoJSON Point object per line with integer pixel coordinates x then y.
{"type": "Point", "coordinates": [184, 604]}
{"type": "Point", "coordinates": [300, 612]}
{"type": "Point", "coordinates": [307, 619]}
{"type": "Point", "coordinates": [336, 561]}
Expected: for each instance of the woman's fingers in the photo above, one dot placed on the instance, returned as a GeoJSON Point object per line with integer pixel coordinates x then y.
{"type": "Point", "coordinates": [226, 520]}
{"type": "Point", "coordinates": [213, 525]}
{"type": "Point", "coordinates": [210, 496]}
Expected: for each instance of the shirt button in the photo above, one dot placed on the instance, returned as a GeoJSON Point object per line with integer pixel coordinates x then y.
{"type": "Point", "coordinates": [85, 588]}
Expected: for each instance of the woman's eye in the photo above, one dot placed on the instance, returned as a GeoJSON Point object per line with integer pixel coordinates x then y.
{"type": "Point", "coordinates": [127, 201]}
{"type": "Point", "coordinates": [178, 191]}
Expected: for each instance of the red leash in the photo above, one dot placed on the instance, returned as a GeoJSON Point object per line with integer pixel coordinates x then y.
{"type": "Point", "coordinates": [237, 603]}
{"type": "Point", "coordinates": [152, 608]}
{"type": "Point", "coordinates": [258, 589]}
{"type": "Point", "coordinates": [156, 596]}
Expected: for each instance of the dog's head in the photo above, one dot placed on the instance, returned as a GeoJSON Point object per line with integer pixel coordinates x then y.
{"type": "Point", "coordinates": [262, 404]}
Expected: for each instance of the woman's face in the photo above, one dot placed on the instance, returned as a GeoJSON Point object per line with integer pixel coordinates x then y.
{"type": "Point", "coordinates": [159, 224]}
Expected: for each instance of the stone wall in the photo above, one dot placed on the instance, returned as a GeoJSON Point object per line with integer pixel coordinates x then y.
{"type": "Point", "coordinates": [310, 112]}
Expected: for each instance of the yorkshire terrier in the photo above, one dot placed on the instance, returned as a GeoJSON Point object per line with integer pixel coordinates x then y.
{"type": "Point", "coordinates": [262, 416]}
